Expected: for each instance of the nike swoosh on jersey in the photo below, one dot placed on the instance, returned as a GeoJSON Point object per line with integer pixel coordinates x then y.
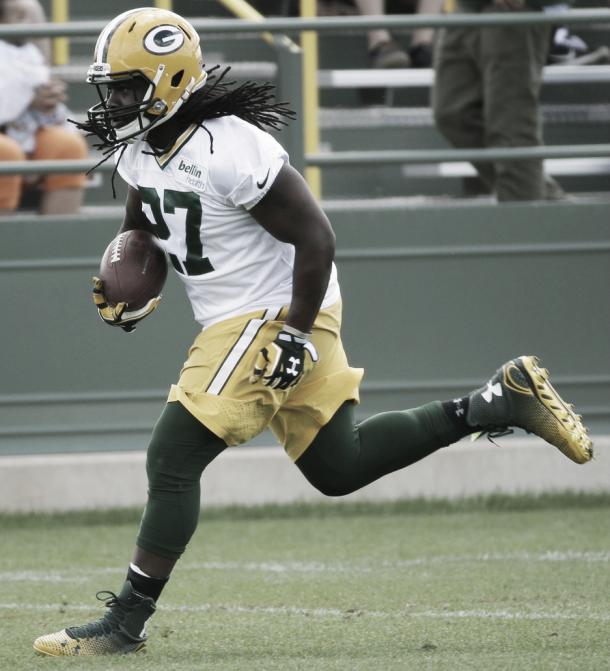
{"type": "Point", "coordinates": [262, 184]}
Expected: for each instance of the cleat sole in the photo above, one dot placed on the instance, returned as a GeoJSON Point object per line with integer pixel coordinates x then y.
{"type": "Point", "coordinates": [576, 445]}
{"type": "Point", "coordinates": [43, 653]}
{"type": "Point", "coordinates": [47, 653]}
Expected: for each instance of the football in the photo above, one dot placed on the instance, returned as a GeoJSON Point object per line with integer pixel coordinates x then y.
{"type": "Point", "coordinates": [133, 269]}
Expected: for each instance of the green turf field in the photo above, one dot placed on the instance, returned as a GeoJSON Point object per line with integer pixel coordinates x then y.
{"type": "Point", "coordinates": [520, 584]}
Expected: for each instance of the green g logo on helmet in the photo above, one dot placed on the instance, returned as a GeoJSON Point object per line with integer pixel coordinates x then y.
{"type": "Point", "coordinates": [164, 40]}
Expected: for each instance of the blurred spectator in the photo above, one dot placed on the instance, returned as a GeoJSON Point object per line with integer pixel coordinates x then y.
{"type": "Point", "coordinates": [570, 49]}
{"type": "Point", "coordinates": [33, 118]}
{"type": "Point", "coordinates": [383, 50]}
{"type": "Point", "coordinates": [566, 48]}
{"type": "Point", "coordinates": [486, 94]}
{"type": "Point", "coordinates": [422, 42]}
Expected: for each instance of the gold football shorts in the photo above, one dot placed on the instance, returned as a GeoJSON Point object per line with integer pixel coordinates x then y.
{"type": "Point", "coordinates": [214, 383]}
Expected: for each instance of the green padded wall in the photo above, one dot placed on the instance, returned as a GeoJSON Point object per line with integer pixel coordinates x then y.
{"type": "Point", "coordinates": [434, 299]}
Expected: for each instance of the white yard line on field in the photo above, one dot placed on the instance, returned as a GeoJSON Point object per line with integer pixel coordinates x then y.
{"type": "Point", "coordinates": [78, 575]}
{"type": "Point", "coordinates": [346, 567]}
{"type": "Point", "coordinates": [41, 576]}
{"type": "Point", "coordinates": [335, 612]}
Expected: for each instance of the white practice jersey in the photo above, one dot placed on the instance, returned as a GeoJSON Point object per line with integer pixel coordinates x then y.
{"type": "Point", "coordinates": [197, 196]}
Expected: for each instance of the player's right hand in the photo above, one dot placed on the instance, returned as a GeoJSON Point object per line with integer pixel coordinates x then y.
{"type": "Point", "coordinates": [119, 315]}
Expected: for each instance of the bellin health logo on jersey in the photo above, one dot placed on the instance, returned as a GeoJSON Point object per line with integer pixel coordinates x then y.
{"type": "Point", "coordinates": [189, 169]}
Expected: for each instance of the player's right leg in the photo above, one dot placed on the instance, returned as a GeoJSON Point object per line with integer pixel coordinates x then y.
{"type": "Point", "coordinates": [180, 449]}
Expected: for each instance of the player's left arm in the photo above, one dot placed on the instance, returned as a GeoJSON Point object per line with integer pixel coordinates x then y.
{"type": "Point", "coordinates": [290, 213]}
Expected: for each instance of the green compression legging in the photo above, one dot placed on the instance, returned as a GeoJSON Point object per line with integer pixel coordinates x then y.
{"type": "Point", "coordinates": [343, 457]}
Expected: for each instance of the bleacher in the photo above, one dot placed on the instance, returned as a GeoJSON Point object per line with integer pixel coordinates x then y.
{"type": "Point", "coordinates": [356, 113]}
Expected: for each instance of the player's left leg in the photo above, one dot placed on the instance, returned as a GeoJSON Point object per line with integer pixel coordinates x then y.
{"type": "Point", "coordinates": [345, 456]}
{"type": "Point", "coordinates": [180, 449]}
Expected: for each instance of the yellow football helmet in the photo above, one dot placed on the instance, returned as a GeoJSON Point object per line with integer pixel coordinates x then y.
{"type": "Point", "coordinates": [150, 43]}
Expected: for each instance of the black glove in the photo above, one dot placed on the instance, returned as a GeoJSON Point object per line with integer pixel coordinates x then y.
{"type": "Point", "coordinates": [281, 363]}
{"type": "Point", "coordinates": [119, 315]}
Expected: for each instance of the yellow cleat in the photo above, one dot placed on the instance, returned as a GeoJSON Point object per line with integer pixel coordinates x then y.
{"type": "Point", "coordinates": [61, 644]}
{"type": "Point", "coordinates": [119, 632]}
{"type": "Point", "coordinates": [520, 394]}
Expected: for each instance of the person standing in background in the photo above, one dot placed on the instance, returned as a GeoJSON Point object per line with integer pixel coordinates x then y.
{"type": "Point", "coordinates": [487, 94]}
{"type": "Point", "coordinates": [383, 50]}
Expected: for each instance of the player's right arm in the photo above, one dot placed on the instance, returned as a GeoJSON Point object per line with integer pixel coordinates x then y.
{"type": "Point", "coordinates": [119, 315]}
{"type": "Point", "coordinates": [134, 216]}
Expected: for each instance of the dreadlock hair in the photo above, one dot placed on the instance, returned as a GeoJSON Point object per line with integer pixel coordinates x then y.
{"type": "Point", "coordinates": [249, 101]}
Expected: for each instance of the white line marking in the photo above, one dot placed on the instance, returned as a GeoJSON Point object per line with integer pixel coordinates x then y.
{"type": "Point", "coordinates": [334, 612]}
{"type": "Point", "coordinates": [37, 576]}
{"type": "Point", "coordinates": [80, 574]}
{"type": "Point", "coordinates": [320, 567]}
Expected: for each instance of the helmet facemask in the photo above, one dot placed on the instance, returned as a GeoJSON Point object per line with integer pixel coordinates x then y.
{"type": "Point", "coordinates": [123, 123]}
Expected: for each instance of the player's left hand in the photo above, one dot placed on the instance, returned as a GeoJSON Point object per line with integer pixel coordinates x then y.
{"type": "Point", "coordinates": [281, 363]}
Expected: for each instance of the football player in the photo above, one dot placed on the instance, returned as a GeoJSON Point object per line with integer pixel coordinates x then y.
{"type": "Point", "coordinates": [255, 253]}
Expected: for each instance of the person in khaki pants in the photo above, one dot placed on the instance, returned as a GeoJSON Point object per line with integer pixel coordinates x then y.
{"type": "Point", "coordinates": [486, 94]}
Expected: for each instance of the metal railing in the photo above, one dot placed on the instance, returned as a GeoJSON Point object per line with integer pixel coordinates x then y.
{"type": "Point", "coordinates": [329, 24]}
{"type": "Point", "coordinates": [291, 76]}
{"type": "Point", "coordinates": [386, 156]}
{"type": "Point", "coordinates": [399, 78]}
